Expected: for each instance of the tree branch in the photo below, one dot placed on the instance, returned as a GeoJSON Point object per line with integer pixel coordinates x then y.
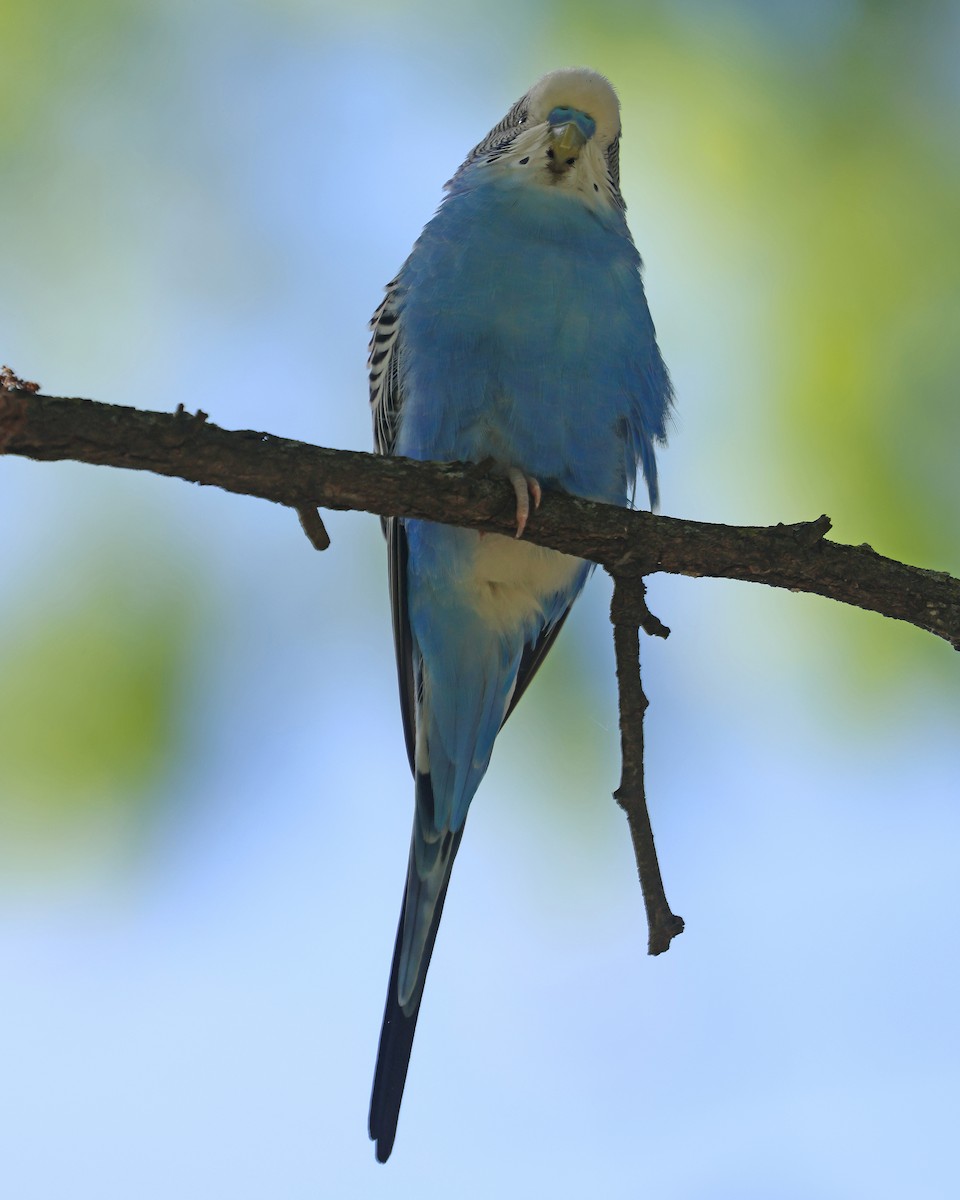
{"type": "Point", "coordinates": [630, 545]}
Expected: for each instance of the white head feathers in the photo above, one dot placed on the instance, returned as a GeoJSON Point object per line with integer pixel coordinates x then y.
{"type": "Point", "coordinates": [580, 88]}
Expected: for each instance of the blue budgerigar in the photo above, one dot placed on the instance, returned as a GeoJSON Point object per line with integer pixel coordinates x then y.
{"type": "Point", "coordinates": [517, 331]}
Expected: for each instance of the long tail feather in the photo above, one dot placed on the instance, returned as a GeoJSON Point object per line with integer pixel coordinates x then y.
{"type": "Point", "coordinates": [400, 1021]}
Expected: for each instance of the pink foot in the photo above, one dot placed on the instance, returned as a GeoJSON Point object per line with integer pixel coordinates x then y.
{"type": "Point", "coordinates": [525, 487]}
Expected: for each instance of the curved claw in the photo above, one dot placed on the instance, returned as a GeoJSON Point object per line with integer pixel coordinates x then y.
{"type": "Point", "coordinates": [525, 487]}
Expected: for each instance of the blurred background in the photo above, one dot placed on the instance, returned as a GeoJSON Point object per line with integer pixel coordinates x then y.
{"type": "Point", "coordinates": [204, 797]}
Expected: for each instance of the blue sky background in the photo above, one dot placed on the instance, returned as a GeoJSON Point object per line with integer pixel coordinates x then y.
{"type": "Point", "coordinates": [204, 798]}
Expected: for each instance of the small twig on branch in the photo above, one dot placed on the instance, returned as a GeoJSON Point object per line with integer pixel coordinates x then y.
{"type": "Point", "coordinates": [629, 614]}
{"type": "Point", "coordinates": [312, 525]}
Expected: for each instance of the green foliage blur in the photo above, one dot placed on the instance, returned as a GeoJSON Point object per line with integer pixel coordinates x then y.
{"type": "Point", "coordinates": [94, 690]}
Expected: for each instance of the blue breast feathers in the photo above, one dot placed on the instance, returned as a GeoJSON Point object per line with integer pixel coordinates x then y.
{"type": "Point", "coordinates": [527, 338]}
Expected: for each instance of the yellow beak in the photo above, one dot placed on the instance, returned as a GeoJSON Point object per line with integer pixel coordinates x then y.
{"type": "Point", "coordinates": [566, 141]}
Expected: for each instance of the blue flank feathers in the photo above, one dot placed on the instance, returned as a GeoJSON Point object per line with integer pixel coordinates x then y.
{"type": "Point", "coordinates": [517, 330]}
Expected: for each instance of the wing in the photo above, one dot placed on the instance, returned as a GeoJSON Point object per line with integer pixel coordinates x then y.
{"type": "Point", "coordinates": [385, 403]}
{"type": "Point", "coordinates": [536, 651]}
{"type": "Point", "coordinates": [530, 661]}
{"type": "Point", "coordinates": [408, 673]}
{"type": "Point", "coordinates": [383, 363]}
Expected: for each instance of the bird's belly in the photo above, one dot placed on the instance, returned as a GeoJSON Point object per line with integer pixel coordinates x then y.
{"type": "Point", "coordinates": [513, 583]}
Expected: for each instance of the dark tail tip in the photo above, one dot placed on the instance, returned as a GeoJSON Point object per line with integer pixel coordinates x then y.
{"type": "Point", "coordinates": [396, 1042]}
{"type": "Point", "coordinates": [393, 1059]}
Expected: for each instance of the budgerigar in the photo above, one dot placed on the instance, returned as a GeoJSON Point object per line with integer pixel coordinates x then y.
{"type": "Point", "coordinates": [517, 331]}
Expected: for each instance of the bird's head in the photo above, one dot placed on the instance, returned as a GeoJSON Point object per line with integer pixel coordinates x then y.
{"type": "Point", "coordinates": [565, 132]}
